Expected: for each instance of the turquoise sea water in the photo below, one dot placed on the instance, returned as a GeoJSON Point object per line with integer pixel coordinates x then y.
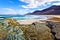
{"type": "Point", "coordinates": [27, 17]}
{"type": "Point", "coordinates": [30, 17]}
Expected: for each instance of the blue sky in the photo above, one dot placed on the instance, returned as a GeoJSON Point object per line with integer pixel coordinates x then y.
{"type": "Point", "coordinates": [22, 7]}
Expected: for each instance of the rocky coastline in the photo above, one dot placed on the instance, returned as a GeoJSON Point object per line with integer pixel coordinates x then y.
{"type": "Point", "coordinates": [10, 29]}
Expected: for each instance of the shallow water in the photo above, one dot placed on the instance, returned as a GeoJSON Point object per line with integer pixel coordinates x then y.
{"type": "Point", "coordinates": [32, 17]}
{"type": "Point", "coordinates": [29, 17]}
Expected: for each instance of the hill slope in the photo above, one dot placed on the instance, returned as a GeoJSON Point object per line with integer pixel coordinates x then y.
{"type": "Point", "coordinates": [53, 10]}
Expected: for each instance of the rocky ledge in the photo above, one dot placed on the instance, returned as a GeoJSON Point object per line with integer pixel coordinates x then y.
{"type": "Point", "coordinates": [10, 29]}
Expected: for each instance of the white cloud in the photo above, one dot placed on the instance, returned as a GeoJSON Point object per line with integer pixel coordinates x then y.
{"type": "Point", "coordinates": [31, 4]}
{"type": "Point", "coordinates": [9, 11]}
{"type": "Point", "coordinates": [24, 11]}
{"type": "Point", "coordinates": [57, 3]}
{"type": "Point", "coordinates": [35, 3]}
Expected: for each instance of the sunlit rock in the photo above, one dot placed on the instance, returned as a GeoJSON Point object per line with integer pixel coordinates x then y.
{"type": "Point", "coordinates": [38, 31]}
{"type": "Point", "coordinates": [10, 29]}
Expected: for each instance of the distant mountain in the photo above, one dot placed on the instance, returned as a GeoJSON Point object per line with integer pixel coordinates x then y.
{"type": "Point", "coordinates": [53, 10]}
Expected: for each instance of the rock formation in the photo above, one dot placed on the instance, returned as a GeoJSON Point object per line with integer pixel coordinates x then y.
{"type": "Point", "coordinates": [12, 30]}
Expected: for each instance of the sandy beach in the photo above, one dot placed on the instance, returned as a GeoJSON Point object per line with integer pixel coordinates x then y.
{"type": "Point", "coordinates": [37, 20]}
{"type": "Point", "coordinates": [30, 21]}
{"type": "Point", "coordinates": [26, 21]}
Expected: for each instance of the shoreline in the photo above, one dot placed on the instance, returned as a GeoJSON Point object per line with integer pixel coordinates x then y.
{"type": "Point", "coordinates": [27, 22]}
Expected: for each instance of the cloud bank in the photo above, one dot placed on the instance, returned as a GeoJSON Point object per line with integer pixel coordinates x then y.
{"type": "Point", "coordinates": [36, 3]}
{"type": "Point", "coordinates": [7, 11]}
{"type": "Point", "coordinates": [10, 11]}
{"type": "Point", "coordinates": [31, 4]}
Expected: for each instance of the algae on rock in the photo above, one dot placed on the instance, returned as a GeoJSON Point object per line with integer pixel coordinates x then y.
{"type": "Point", "coordinates": [12, 30]}
{"type": "Point", "coordinates": [38, 32]}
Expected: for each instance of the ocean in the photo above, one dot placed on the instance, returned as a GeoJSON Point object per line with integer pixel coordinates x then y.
{"type": "Point", "coordinates": [27, 17]}
{"type": "Point", "coordinates": [31, 17]}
